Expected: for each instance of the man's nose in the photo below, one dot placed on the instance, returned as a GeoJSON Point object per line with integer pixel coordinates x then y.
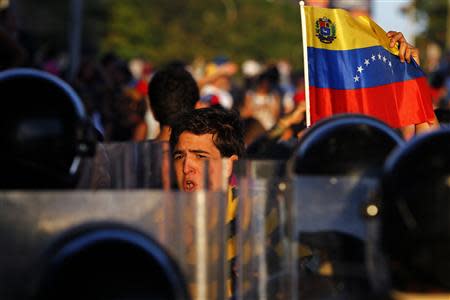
{"type": "Point", "coordinates": [188, 166]}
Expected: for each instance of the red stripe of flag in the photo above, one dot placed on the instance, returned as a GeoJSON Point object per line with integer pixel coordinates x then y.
{"type": "Point", "coordinates": [398, 104]}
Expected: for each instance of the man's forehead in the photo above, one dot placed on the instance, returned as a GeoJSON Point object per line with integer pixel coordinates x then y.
{"type": "Point", "coordinates": [190, 141]}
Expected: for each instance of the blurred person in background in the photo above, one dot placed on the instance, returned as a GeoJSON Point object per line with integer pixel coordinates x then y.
{"type": "Point", "coordinates": [285, 71]}
{"type": "Point", "coordinates": [263, 102]}
{"type": "Point", "coordinates": [297, 95]}
{"type": "Point", "coordinates": [94, 92]}
{"type": "Point", "coordinates": [142, 71]}
{"type": "Point", "coordinates": [12, 53]}
{"type": "Point", "coordinates": [439, 90]}
{"type": "Point", "coordinates": [128, 107]}
{"type": "Point", "coordinates": [216, 85]}
{"type": "Point", "coordinates": [171, 91]}
{"type": "Point", "coordinates": [251, 69]}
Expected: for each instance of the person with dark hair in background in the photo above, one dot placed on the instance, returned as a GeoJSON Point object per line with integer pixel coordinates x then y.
{"type": "Point", "coordinates": [263, 102]}
{"type": "Point", "coordinates": [171, 91]}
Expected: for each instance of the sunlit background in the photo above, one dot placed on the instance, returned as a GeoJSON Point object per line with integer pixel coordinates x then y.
{"type": "Point", "coordinates": [125, 42]}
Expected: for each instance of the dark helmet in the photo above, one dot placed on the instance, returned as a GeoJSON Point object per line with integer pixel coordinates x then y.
{"type": "Point", "coordinates": [345, 144]}
{"type": "Point", "coordinates": [44, 131]}
{"type": "Point", "coordinates": [416, 212]}
{"type": "Point", "coordinates": [107, 261]}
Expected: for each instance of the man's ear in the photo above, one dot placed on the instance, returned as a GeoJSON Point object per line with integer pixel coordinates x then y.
{"type": "Point", "coordinates": [229, 165]}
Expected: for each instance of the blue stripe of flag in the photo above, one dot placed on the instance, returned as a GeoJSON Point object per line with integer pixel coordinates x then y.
{"type": "Point", "coordinates": [357, 68]}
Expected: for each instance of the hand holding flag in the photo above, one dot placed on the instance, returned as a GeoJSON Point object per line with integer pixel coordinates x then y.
{"type": "Point", "coordinates": [406, 50]}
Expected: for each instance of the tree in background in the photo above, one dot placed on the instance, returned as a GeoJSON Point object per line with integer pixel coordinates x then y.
{"type": "Point", "coordinates": [436, 30]}
{"type": "Point", "coordinates": [161, 30]}
{"type": "Point", "coordinates": [435, 15]}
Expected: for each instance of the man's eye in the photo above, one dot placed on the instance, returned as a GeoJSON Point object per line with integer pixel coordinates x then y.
{"type": "Point", "coordinates": [177, 156]}
{"type": "Point", "coordinates": [202, 156]}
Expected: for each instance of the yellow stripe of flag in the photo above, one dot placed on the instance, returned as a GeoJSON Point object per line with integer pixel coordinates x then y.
{"type": "Point", "coordinates": [350, 32]}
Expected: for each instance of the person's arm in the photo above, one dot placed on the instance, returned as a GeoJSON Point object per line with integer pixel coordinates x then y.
{"type": "Point", "coordinates": [246, 110]}
{"type": "Point", "coordinates": [295, 117]}
{"type": "Point", "coordinates": [275, 106]}
{"type": "Point", "coordinates": [140, 132]}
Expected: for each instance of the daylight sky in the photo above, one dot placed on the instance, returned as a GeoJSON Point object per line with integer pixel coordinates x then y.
{"type": "Point", "coordinates": [388, 15]}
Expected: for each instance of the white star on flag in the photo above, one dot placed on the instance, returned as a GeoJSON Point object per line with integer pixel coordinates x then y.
{"type": "Point", "coordinates": [356, 78]}
{"type": "Point", "coordinates": [384, 59]}
{"type": "Point", "coordinates": [373, 57]}
{"type": "Point", "coordinates": [366, 62]}
{"type": "Point", "coordinates": [360, 69]}
{"type": "Point", "coordinates": [390, 64]}
{"type": "Point", "coordinates": [379, 56]}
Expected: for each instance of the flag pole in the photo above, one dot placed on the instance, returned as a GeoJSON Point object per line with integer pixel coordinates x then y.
{"type": "Point", "coordinates": [305, 63]}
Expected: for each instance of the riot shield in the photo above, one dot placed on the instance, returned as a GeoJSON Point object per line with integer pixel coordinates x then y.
{"type": "Point", "coordinates": [263, 259]}
{"type": "Point", "coordinates": [337, 248]}
{"type": "Point", "coordinates": [130, 165]}
{"type": "Point", "coordinates": [189, 226]}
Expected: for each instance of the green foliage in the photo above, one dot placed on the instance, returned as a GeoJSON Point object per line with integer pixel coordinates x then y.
{"type": "Point", "coordinates": [435, 12]}
{"type": "Point", "coordinates": [162, 30]}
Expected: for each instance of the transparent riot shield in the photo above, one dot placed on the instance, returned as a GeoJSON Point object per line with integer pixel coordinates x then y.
{"type": "Point", "coordinates": [336, 236]}
{"type": "Point", "coordinates": [263, 260]}
{"type": "Point", "coordinates": [128, 165]}
{"type": "Point", "coordinates": [190, 226]}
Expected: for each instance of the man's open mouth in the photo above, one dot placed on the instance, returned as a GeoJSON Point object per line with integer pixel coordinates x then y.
{"type": "Point", "coordinates": [189, 185]}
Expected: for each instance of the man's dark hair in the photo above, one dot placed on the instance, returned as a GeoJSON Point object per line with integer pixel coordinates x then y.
{"type": "Point", "coordinates": [171, 91]}
{"type": "Point", "coordinates": [224, 125]}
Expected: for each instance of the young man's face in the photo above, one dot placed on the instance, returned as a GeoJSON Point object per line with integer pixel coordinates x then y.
{"type": "Point", "coordinates": [189, 158]}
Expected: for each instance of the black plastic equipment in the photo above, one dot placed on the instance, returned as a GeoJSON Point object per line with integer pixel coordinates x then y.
{"type": "Point", "coordinates": [108, 261]}
{"type": "Point", "coordinates": [45, 133]}
{"type": "Point", "coordinates": [346, 144]}
{"type": "Point", "coordinates": [416, 213]}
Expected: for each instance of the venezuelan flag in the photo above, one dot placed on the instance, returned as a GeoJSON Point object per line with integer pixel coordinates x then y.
{"type": "Point", "coordinates": [352, 69]}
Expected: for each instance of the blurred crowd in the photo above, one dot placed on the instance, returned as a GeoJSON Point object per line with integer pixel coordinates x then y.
{"type": "Point", "coordinates": [115, 93]}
